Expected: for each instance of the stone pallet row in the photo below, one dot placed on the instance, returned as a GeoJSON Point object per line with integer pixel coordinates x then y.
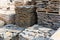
{"type": "Point", "coordinates": [48, 20]}
{"type": "Point", "coordinates": [25, 16]}
{"type": "Point", "coordinates": [36, 32]}
{"type": "Point", "coordinates": [14, 32]}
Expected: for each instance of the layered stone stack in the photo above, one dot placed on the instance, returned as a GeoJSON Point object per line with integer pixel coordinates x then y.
{"type": "Point", "coordinates": [47, 11]}
{"type": "Point", "coordinates": [36, 32]}
{"type": "Point", "coordinates": [25, 16]}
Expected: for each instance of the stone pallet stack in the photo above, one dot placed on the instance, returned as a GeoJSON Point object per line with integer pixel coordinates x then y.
{"type": "Point", "coordinates": [49, 20]}
{"type": "Point", "coordinates": [10, 32]}
{"type": "Point", "coordinates": [47, 11]}
{"type": "Point", "coordinates": [25, 16]}
{"type": "Point", "coordinates": [36, 32]}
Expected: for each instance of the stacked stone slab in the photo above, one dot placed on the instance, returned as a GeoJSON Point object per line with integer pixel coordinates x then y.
{"type": "Point", "coordinates": [47, 10]}
{"type": "Point", "coordinates": [36, 32]}
{"type": "Point", "coordinates": [25, 16]}
{"type": "Point", "coordinates": [10, 32]}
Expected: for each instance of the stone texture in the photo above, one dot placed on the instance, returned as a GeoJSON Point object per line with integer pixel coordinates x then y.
{"type": "Point", "coordinates": [36, 32]}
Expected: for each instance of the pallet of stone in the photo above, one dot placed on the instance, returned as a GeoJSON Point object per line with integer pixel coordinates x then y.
{"type": "Point", "coordinates": [35, 33]}
{"type": "Point", "coordinates": [25, 16]}
{"type": "Point", "coordinates": [10, 32]}
{"type": "Point", "coordinates": [7, 16]}
{"type": "Point", "coordinates": [52, 5]}
{"type": "Point", "coordinates": [49, 20]}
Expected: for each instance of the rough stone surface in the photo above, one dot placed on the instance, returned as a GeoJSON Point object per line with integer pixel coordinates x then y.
{"type": "Point", "coordinates": [36, 32]}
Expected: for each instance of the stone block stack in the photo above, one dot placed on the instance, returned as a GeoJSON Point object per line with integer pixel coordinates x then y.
{"type": "Point", "coordinates": [45, 10]}
{"type": "Point", "coordinates": [25, 16]}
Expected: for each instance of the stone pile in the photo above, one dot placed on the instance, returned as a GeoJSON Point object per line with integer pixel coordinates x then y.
{"type": "Point", "coordinates": [25, 16]}
{"type": "Point", "coordinates": [48, 13]}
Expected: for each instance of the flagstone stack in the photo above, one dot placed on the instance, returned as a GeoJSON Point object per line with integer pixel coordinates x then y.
{"type": "Point", "coordinates": [48, 13]}
{"type": "Point", "coordinates": [25, 16]}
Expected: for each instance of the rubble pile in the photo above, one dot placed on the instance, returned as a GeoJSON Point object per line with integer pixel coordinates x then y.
{"type": "Point", "coordinates": [25, 16]}
{"type": "Point", "coordinates": [36, 32]}
{"type": "Point", "coordinates": [49, 20]}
